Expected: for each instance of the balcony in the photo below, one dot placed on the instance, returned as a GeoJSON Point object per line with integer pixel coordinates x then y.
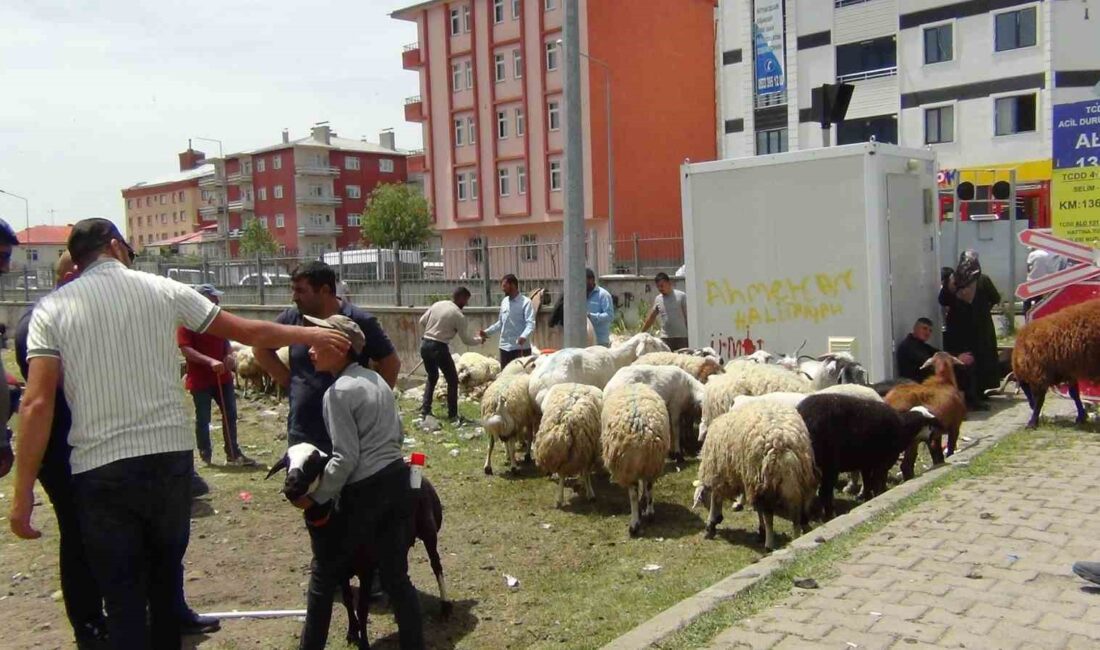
{"type": "Point", "coordinates": [770, 99]}
{"type": "Point", "coordinates": [240, 204]}
{"type": "Point", "coordinates": [207, 182]}
{"type": "Point", "coordinates": [307, 199]}
{"type": "Point", "coordinates": [236, 178]}
{"type": "Point", "coordinates": [313, 169]}
{"type": "Point", "coordinates": [319, 230]}
{"type": "Point", "coordinates": [414, 109]}
{"type": "Point", "coordinates": [410, 57]}
{"type": "Point", "coordinates": [416, 162]}
{"type": "Point", "coordinates": [213, 209]}
{"type": "Point", "coordinates": [868, 74]}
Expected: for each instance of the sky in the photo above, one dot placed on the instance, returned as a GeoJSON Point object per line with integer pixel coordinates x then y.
{"type": "Point", "coordinates": [97, 95]}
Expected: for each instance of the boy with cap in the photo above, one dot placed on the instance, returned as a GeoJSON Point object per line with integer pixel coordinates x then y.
{"type": "Point", "coordinates": [368, 477]}
{"type": "Point", "coordinates": [210, 365]}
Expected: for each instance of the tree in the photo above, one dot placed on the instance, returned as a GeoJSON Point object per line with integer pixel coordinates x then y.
{"type": "Point", "coordinates": [396, 214]}
{"type": "Point", "coordinates": [256, 239]}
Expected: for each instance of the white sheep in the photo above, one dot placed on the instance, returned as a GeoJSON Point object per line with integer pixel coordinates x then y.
{"type": "Point", "coordinates": [830, 369]}
{"type": "Point", "coordinates": [520, 366]}
{"type": "Point", "coordinates": [633, 445]}
{"type": "Point", "coordinates": [568, 439]}
{"type": "Point", "coordinates": [761, 450]}
{"type": "Point", "coordinates": [475, 372]}
{"type": "Point", "coordinates": [683, 395]}
{"type": "Point", "coordinates": [700, 367]}
{"type": "Point", "coordinates": [507, 413]}
{"type": "Point", "coordinates": [592, 366]}
{"type": "Point", "coordinates": [746, 378]}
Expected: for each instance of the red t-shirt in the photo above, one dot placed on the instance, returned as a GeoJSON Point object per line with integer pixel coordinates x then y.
{"type": "Point", "coordinates": [199, 375]}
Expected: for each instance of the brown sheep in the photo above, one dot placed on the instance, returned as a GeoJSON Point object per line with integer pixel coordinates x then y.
{"type": "Point", "coordinates": [940, 395]}
{"type": "Point", "coordinates": [1062, 348]}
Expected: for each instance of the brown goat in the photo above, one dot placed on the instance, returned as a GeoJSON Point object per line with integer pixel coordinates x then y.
{"type": "Point", "coordinates": [1062, 348]}
{"type": "Point", "coordinates": [940, 395]}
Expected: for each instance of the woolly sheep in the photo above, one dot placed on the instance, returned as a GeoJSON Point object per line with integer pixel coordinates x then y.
{"type": "Point", "coordinates": [475, 372]}
{"type": "Point", "coordinates": [1062, 348]}
{"type": "Point", "coordinates": [249, 372]}
{"type": "Point", "coordinates": [568, 439]}
{"type": "Point", "coordinates": [520, 366]}
{"type": "Point", "coordinates": [700, 367]}
{"type": "Point", "coordinates": [746, 378]}
{"type": "Point", "coordinates": [683, 396]}
{"type": "Point", "coordinates": [830, 369]}
{"type": "Point", "coordinates": [633, 445]}
{"type": "Point", "coordinates": [762, 451]}
{"type": "Point", "coordinates": [507, 413]}
{"type": "Point", "coordinates": [940, 395]}
{"type": "Point", "coordinates": [592, 366]}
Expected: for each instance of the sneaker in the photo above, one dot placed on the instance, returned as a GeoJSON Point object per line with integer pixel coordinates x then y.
{"type": "Point", "coordinates": [1088, 570]}
{"type": "Point", "coordinates": [195, 623]}
{"type": "Point", "coordinates": [240, 460]}
{"type": "Point", "coordinates": [199, 487]}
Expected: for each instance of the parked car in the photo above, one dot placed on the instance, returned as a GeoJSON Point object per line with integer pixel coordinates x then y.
{"type": "Point", "coordinates": [253, 279]}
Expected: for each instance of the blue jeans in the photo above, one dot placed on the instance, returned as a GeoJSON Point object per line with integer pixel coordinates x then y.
{"type": "Point", "coordinates": [135, 518]}
{"type": "Point", "coordinates": [202, 399]}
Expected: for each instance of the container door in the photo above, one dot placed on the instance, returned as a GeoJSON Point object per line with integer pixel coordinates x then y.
{"type": "Point", "coordinates": [914, 275]}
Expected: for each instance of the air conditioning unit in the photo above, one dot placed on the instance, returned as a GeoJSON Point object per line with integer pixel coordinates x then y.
{"type": "Point", "coordinates": [842, 344]}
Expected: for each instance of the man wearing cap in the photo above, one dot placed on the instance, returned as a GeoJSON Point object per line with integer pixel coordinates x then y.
{"type": "Point", "coordinates": [367, 470]}
{"type": "Point", "coordinates": [210, 366]}
{"type": "Point", "coordinates": [131, 443]}
{"type": "Point", "coordinates": [8, 241]}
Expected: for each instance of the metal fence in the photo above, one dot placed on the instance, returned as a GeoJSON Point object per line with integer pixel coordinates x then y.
{"type": "Point", "coordinates": [406, 277]}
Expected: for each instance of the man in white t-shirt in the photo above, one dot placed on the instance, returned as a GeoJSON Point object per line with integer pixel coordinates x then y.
{"type": "Point", "coordinates": [670, 308]}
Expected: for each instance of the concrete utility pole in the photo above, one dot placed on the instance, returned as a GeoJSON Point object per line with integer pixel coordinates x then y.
{"type": "Point", "coordinates": [576, 334]}
{"type": "Point", "coordinates": [225, 189]}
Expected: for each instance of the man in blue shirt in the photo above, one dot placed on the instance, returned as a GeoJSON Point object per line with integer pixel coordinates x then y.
{"type": "Point", "coordinates": [516, 323]}
{"type": "Point", "coordinates": [601, 309]}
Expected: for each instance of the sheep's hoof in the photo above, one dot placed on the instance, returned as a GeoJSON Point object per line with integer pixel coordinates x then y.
{"type": "Point", "coordinates": [446, 608]}
{"type": "Point", "coordinates": [635, 529]}
{"type": "Point", "coordinates": [488, 471]}
{"type": "Point", "coordinates": [712, 529]}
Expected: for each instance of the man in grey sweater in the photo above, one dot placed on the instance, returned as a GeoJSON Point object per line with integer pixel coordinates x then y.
{"type": "Point", "coordinates": [369, 481]}
{"type": "Point", "coordinates": [442, 322]}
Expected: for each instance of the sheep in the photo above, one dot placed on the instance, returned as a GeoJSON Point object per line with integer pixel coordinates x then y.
{"type": "Point", "coordinates": [851, 434]}
{"type": "Point", "coordinates": [700, 352]}
{"type": "Point", "coordinates": [1062, 348]}
{"type": "Point", "coordinates": [830, 369]}
{"type": "Point", "coordinates": [761, 450]}
{"type": "Point", "coordinates": [249, 372]}
{"type": "Point", "coordinates": [683, 396]}
{"type": "Point", "coordinates": [521, 366]}
{"type": "Point", "coordinates": [476, 370]}
{"type": "Point", "coordinates": [746, 378]}
{"type": "Point", "coordinates": [633, 445]}
{"type": "Point", "coordinates": [593, 366]}
{"type": "Point", "coordinates": [507, 412]}
{"type": "Point", "coordinates": [700, 367]}
{"type": "Point", "coordinates": [940, 395]}
{"type": "Point", "coordinates": [568, 439]}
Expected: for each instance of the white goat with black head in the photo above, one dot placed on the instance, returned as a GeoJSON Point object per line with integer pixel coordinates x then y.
{"type": "Point", "coordinates": [831, 369]}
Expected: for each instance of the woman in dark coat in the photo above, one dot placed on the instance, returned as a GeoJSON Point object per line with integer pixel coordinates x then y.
{"type": "Point", "coordinates": [969, 296]}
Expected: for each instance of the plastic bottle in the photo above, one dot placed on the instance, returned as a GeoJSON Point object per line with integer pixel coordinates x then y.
{"type": "Point", "coordinates": [416, 470]}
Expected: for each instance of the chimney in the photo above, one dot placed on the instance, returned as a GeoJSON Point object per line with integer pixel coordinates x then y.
{"type": "Point", "coordinates": [386, 139]}
{"type": "Point", "coordinates": [286, 136]}
{"type": "Point", "coordinates": [321, 133]}
{"type": "Point", "coordinates": [190, 159]}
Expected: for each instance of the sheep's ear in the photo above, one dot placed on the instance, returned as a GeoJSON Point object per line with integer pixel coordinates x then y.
{"type": "Point", "coordinates": [826, 357]}
{"type": "Point", "coordinates": [276, 467]}
{"type": "Point", "coordinates": [928, 364]}
{"type": "Point", "coordinates": [955, 360]}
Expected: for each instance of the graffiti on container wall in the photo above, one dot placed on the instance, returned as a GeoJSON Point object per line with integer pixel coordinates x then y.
{"type": "Point", "coordinates": [813, 298]}
{"type": "Point", "coordinates": [729, 347]}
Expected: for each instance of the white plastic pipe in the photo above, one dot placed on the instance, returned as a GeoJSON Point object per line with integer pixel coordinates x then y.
{"type": "Point", "coordinates": [264, 613]}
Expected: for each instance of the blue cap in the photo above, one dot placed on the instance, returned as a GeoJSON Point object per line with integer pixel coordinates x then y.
{"type": "Point", "coordinates": [7, 235]}
{"type": "Point", "coordinates": [209, 290]}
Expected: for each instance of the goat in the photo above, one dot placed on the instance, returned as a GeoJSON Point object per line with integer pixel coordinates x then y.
{"type": "Point", "coordinates": [940, 395]}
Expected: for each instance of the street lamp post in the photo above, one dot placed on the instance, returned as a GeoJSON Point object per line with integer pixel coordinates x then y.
{"type": "Point", "coordinates": [225, 189]}
{"type": "Point", "coordinates": [26, 248]}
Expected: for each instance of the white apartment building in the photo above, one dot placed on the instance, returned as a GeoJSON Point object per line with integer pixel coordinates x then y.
{"type": "Point", "coordinates": [974, 79]}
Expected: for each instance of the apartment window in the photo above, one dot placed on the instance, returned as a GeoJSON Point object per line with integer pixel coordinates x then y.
{"type": "Point", "coordinates": [468, 68]}
{"type": "Point", "coordinates": [856, 59]}
{"type": "Point", "coordinates": [456, 23]}
{"type": "Point", "coordinates": [277, 161]}
{"type": "Point", "coordinates": [181, 196]}
{"type": "Point", "coordinates": [262, 193]}
{"type": "Point", "coordinates": [246, 166]}
{"type": "Point", "coordinates": [466, 18]}
{"type": "Point", "coordinates": [551, 5]}
{"type": "Point", "coordinates": [884, 128]}
{"type": "Point", "coordinates": [771, 141]}
{"type": "Point", "coordinates": [473, 186]}
{"type": "Point", "coordinates": [517, 63]}
{"type": "Point", "coordinates": [261, 165]}
{"type": "Point", "coordinates": [521, 127]}
{"type": "Point", "coordinates": [502, 125]}
{"type": "Point", "coordinates": [504, 182]}
{"type": "Point", "coordinates": [351, 162]}
{"type": "Point", "coordinates": [173, 197]}
{"type": "Point", "coordinates": [1016, 114]}
{"type": "Point", "coordinates": [499, 69]}
{"type": "Point", "coordinates": [278, 191]}
{"type": "Point", "coordinates": [354, 220]}
{"type": "Point", "coordinates": [456, 77]}
{"type": "Point", "coordinates": [316, 190]}
{"type": "Point", "coordinates": [263, 222]}
{"type": "Point", "coordinates": [553, 113]}
{"type": "Point", "coordinates": [164, 218]}
{"type": "Point", "coordinates": [175, 217]}
{"type": "Point", "coordinates": [552, 56]}
{"type": "Point", "coordinates": [471, 133]}
{"type": "Point", "coordinates": [939, 125]}
{"type": "Point", "coordinates": [129, 203]}
{"type": "Point", "coordinates": [1015, 29]}
{"type": "Point", "coordinates": [516, 8]}
{"type": "Point", "coordinates": [164, 199]}
{"type": "Point", "coordinates": [353, 191]}
{"type": "Point", "coordinates": [385, 165]}
{"type": "Point", "coordinates": [938, 46]}
{"type": "Point", "coordinates": [463, 188]}
{"type": "Point", "coordinates": [529, 248]}
{"type": "Point", "coordinates": [498, 11]}
{"type": "Point", "coordinates": [521, 179]}
{"type": "Point", "coordinates": [555, 175]}
{"type": "Point", "coordinates": [280, 221]}
{"type": "Point", "coordinates": [460, 133]}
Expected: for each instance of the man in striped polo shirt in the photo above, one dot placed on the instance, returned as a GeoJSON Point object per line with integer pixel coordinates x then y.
{"type": "Point", "coordinates": [114, 329]}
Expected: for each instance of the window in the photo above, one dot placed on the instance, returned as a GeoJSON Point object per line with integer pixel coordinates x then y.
{"type": "Point", "coordinates": [517, 63]}
{"type": "Point", "coordinates": [262, 193]}
{"type": "Point", "coordinates": [164, 199]}
{"type": "Point", "coordinates": [277, 161]}
{"type": "Point", "coordinates": [463, 188]}
{"type": "Point", "coordinates": [385, 165]}
{"type": "Point", "coordinates": [460, 133]}
{"type": "Point", "coordinates": [468, 67]}
{"type": "Point", "coordinates": [553, 111]}
{"type": "Point", "coordinates": [129, 203]}
{"type": "Point", "coordinates": [280, 221]}
{"type": "Point", "coordinates": [263, 222]}
{"type": "Point", "coordinates": [471, 132]}
{"type": "Point", "coordinates": [1015, 29]}
{"type": "Point", "coordinates": [498, 11]}
{"type": "Point", "coordinates": [466, 18]}
{"type": "Point", "coordinates": [316, 190]}
{"type": "Point", "coordinates": [1015, 114]}
{"type": "Point", "coordinates": [499, 70]}
{"type": "Point", "coordinates": [504, 182]}
{"type": "Point", "coordinates": [856, 59]}
{"type": "Point", "coordinates": [246, 167]}
{"type": "Point", "coordinates": [884, 128]}
{"type": "Point", "coordinates": [351, 162]}
{"type": "Point", "coordinates": [551, 5]}
{"type": "Point", "coordinates": [502, 125]}
{"type": "Point", "coordinates": [521, 179]}
{"type": "Point", "coordinates": [278, 191]}
{"type": "Point", "coordinates": [551, 56]}
{"type": "Point", "coordinates": [520, 126]}
{"type": "Point", "coordinates": [771, 141]}
{"type": "Point", "coordinates": [175, 216]}
{"type": "Point", "coordinates": [456, 77]}
{"type": "Point", "coordinates": [555, 175]}
{"type": "Point", "coordinates": [516, 8]}
{"type": "Point", "coordinates": [261, 165]}
{"type": "Point", "coordinates": [456, 24]}
{"type": "Point", "coordinates": [938, 44]}
{"type": "Point", "coordinates": [353, 191]}
{"type": "Point", "coordinates": [529, 248]}
{"type": "Point", "coordinates": [354, 220]}
{"type": "Point", "coordinates": [181, 196]}
{"type": "Point", "coordinates": [473, 186]}
{"type": "Point", "coordinates": [939, 125]}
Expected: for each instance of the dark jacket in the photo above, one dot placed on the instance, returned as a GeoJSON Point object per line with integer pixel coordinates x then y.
{"type": "Point", "coordinates": [911, 355]}
{"type": "Point", "coordinates": [969, 328]}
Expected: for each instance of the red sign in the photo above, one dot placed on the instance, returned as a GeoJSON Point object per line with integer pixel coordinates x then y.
{"type": "Point", "coordinates": [1067, 297]}
{"type": "Point", "coordinates": [1045, 241]}
{"type": "Point", "coordinates": [1063, 278]}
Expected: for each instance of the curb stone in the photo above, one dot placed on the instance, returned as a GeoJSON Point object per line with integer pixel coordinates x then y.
{"type": "Point", "coordinates": [985, 434]}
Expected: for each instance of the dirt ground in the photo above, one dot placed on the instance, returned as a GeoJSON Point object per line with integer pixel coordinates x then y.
{"type": "Point", "coordinates": [582, 580]}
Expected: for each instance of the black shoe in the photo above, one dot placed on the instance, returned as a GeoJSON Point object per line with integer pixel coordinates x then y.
{"type": "Point", "coordinates": [1088, 570]}
{"type": "Point", "coordinates": [205, 456]}
{"type": "Point", "coordinates": [91, 636]}
{"type": "Point", "coordinates": [199, 487]}
{"type": "Point", "coordinates": [195, 623]}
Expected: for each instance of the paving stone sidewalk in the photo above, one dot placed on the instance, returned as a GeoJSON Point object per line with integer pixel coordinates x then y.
{"type": "Point", "coordinates": [986, 564]}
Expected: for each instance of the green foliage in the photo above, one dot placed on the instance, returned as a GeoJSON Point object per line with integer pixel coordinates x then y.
{"type": "Point", "coordinates": [255, 239]}
{"type": "Point", "coordinates": [396, 214]}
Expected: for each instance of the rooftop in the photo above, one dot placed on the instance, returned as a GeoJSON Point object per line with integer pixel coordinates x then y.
{"type": "Point", "coordinates": [186, 238]}
{"type": "Point", "coordinates": [410, 12]}
{"type": "Point", "coordinates": [335, 142]}
{"type": "Point", "coordinates": [175, 177]}
{"type": "Point", "coordinates": [45, 235]}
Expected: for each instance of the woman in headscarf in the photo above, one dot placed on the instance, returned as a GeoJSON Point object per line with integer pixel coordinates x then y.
{"type": "Point", "coordinates": [969, 296]}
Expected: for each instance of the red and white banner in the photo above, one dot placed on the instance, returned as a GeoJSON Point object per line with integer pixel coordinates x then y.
{"type": "Point", "coordinates": [1089, 269]}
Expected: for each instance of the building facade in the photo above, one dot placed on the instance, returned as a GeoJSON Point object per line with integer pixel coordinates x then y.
{"type": "Point", "coordinates": [40, 246]}
{"type": "Point", "coordinates": [974, 80]}
{"type": "Point", "coordinates": [493, 115]}
{"type": "Point", "coordinates": [168, 206]}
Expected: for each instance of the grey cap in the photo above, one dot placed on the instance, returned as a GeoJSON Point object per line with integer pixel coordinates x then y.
{"type": "Point", "coordinates": [345, 326]}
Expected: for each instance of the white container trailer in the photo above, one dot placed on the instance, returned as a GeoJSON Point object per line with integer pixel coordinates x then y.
{"type": "Point", "coordinates": [834, 247]}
